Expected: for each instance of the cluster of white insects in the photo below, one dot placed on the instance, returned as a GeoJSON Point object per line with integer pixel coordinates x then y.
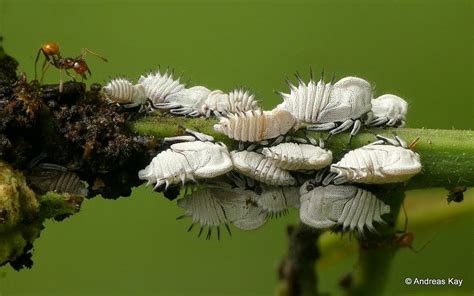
{"type": "Point", "coordinates": [274, 170]}
{"type": "Point", "coordinates": [163, 91]}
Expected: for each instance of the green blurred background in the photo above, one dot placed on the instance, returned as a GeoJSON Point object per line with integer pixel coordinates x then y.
{"type": "Point", "coordinates": [420, 50]}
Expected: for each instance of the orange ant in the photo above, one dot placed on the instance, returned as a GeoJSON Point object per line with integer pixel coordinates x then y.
{"type": "Point", "coordinates": [53, 57]}
{"type": "Point", "coordinates": [405, 239]}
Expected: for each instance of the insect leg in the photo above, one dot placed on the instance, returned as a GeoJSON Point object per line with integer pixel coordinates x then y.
{"type": "Point", "coordinates": [52, 166]}
{"type": "Point", "coordinates": [60, 81]}
{"type": "Point", "coordinates": [278, 141]}
{"type": "Point", "coordinates": [401, 142]}
{"type": "Point", "coordinates": [378, 121]}
{"type": "Point", "coordinates": [200, 136]}
{"type": "Point", "coordinates": [328, 179]}
{"type": "Point", "coordinates": [299, 140]}
{"type": "Point", "coordinates": [343, 127]}
{"type": "Point", "coordinates": [45, 67]}
{"type": "Point", "coordinates": [321, 127]}
{"type": "Point", "coordinates": [166, 105]}
{"type": "Point", "coordinates": [355, 129]}
{"type": "Point", "coordinates": [36, 160]}
{"type": "Point", "coordinates": [176, 139]}
{"type": "Point", "coordinates": [36, 61]}
{"type": "Point", "coordinates": [251, 147]}
{"type": "Point", "coordinates": [388, 140]}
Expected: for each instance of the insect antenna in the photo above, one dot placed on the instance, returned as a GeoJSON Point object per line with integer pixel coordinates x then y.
{"type": "Point", "coordinates": [414, 143]}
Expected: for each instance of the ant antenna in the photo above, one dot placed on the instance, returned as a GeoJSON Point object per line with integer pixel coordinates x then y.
{"type": "Point", "coordinates": [413, 144]}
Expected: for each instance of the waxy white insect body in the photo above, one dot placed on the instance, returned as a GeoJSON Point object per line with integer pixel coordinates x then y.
{"type": "Point", "coordinates": [200, 101]}
{"type": "Point", "coordinates": [213, 207]}
{"type": "Point", "coordinates": [389, 110]}
{"type": "Point", "coordinates": [255, 126]}
{"type": "Point", "coordinates": [187, 101]}
{"type": "Point", "coordinates": [324, 106]}
{"type": "Point", "coordinates": [346, 206]}
{"type": "Point", "coordinates": [377, 163]}
{"type": "Point", "coordinates": [277, 200]}
{"type": "Point", "coordinates": [187, 161]}
{"type": "Point", "coordinates": [158, 87]}
{"type": "Point", "coordinates": [51, 177]}
{"type": "Point", "coordinates": [262, 169]}
{"type": "Point", "coordinates": [292, 156]}
{"type": "Point", "coordinates": [122, 91]}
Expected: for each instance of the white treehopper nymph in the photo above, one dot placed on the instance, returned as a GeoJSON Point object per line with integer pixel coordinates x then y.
{"type": "Point", "coordinates": [262, 169]}
{"type": "Point", "coordinates": [220, 103]}
{"type": "Point", "coordinates": [389, 110]}
{"type": "Point", "coordinates": [292, 156]}
{"type": "Point", "coordinates": [346, 206]}
{"type": "Point", "coordinates": [334, 107]}
{"type": "Point", "coordinates": [214, 207]}
{"type": "Point", "coordinates": [381, 162]}
{"type": "Point", "coordinates": [187, 161]}
{"type": "Point", "coordinates": [256, 126]}
{"type": "Point", "coordinates": [159, 86]}
{"type": "Point", "coordinates": [276, 200]}
{"type": "Point", "coordinates": [200, 101]}
{"type": "Point", "coordinates": [123, 92]}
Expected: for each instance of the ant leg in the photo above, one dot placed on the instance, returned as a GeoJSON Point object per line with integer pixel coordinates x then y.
{"type": "Point", "coordinates": [85, 51]}
{"type": "Point", "coordinates": [61, 80]}
{"type": "Point", "coordinates": [69, 74]}
{"type": "Point", "coordinates": [36, 62]}
{"type": "Point", "coordinates": [406, 219]}
{"type": "Point", "coordinates": [43, 70]}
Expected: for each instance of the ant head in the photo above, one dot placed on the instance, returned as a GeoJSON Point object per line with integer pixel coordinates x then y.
{"type": "Point", "coordinates": [50, 48]}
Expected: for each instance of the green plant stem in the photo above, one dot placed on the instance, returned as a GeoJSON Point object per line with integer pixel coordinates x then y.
{"type": "Point", "coordinates": [447, 155]}
{"type": "Point", "coordinates": [296, 272]}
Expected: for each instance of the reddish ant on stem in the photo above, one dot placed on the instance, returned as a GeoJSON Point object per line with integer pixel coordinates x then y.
{"type": "Point", "coordinates": [53, 57]}
{"type": "Point", "coordinates": [405, 239]}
